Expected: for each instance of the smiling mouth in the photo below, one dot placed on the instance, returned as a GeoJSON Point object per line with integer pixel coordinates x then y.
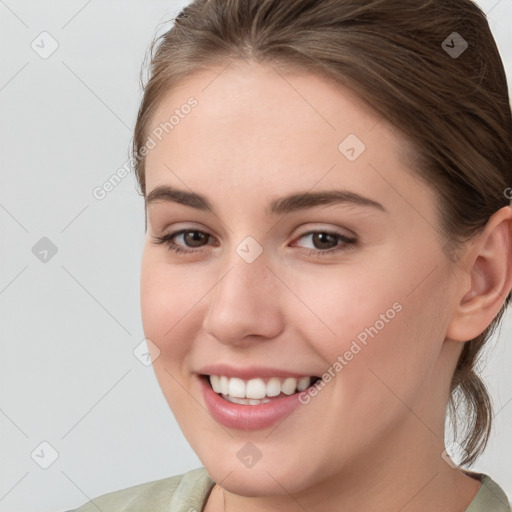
{"type": "Point", "coordinates": [259, 390]}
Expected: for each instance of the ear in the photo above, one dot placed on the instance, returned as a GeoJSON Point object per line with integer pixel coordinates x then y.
{"type": "Point", "coordinates": [488, 271]}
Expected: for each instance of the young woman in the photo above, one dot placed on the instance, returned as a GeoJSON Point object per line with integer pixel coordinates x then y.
{"type": "Point", "coordinates": [328, 249]}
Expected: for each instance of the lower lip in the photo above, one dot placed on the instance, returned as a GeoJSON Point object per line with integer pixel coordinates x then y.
{"type": "Point", "coordinates": [247, 417]}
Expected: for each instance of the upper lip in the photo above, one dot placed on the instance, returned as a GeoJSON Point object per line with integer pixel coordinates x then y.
{"type": "Point", "coordinates": [250, 372]}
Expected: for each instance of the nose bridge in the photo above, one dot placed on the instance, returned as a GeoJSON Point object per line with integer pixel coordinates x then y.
{"type": "Point", "coordinates": [245, 300]}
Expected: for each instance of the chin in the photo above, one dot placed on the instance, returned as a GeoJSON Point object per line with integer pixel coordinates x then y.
{"type": "Point", "coordinates": [255, 483]}
{"type": "Point", "coordinates": [270, 478]}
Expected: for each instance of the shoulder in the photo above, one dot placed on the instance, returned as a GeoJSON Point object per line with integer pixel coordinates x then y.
{"type": "Point", "coordinates": [490, 498]}
{"type": "Point", "coordinates": [175, 493]}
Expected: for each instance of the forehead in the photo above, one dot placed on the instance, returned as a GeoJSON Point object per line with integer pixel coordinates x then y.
{"type": "Point", "coordinates": [261, 105]}
{"type": "Point", "coordinates": [256, 128]}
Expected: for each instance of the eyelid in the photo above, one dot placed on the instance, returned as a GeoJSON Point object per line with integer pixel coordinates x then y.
{"type": "Point", "coordinates": [345, 232]}
{"type": "Point", "coordinates": [348, 242]}
{"type": "Point", "coordinates": [314, 229]}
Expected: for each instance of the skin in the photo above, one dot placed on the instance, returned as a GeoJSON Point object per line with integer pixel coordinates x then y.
{"type": "Point", "coordinates": [372, 439]}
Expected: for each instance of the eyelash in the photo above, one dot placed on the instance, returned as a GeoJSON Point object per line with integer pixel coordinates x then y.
{"type": "Point", "coordinates": [346, 245]}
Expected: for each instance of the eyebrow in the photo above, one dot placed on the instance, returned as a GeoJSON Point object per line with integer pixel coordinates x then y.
{"type": "Point", "coordinates": [287, 204]}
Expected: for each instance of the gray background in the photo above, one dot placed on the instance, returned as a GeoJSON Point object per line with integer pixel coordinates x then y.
{"type": "Point", "coordinates": [68, 375]}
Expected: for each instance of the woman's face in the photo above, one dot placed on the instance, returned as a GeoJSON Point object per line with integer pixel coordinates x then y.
{"type": "Point", "coordinates": [354, 288]}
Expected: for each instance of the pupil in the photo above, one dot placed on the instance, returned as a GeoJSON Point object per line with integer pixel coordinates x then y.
{"type": "Point", "coordinates": [196, 236]}
{"type": "Point", "coordinates": [323, 236]}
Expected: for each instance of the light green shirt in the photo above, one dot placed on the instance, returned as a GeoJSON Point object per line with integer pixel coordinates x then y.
{"type": "Point", "coordinates": [189, 492]}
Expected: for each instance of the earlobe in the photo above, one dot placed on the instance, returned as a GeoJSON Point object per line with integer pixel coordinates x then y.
{"type": "Point", "coordinates": [489, 270]}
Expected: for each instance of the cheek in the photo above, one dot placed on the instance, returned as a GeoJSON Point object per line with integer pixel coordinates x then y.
{"type": "Point", "coordinates": [169, 302]}
{"type": "Point", "coordinates": [343, 306]}
{"type": "Point", "coordinates": [169, 306]}
{"type": "Point", "coordinates": [377, 331]}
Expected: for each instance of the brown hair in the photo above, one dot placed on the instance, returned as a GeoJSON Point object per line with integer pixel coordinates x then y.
{"type": "Point", "coordinates": [453, 109]}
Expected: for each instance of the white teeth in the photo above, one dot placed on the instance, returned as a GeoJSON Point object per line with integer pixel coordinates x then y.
{"type": "Point", "coordinates": [303, 383]}
{"type": "Point", "coordinates": [237, 388]}
{"type": "Point", "coordinates": [289, 386]}
{"type": "Point", "coordinates": [245, 401]}
{"type": "Point", "coordinates": [215, 382]}
{"type": "Point", "coordinates": [256, 388]}
{"type": "Point", "coordinates": [273, 387]}
{"type": "Point", "coordinates": [256, 391]}
{"type": "Point", "coordinates": [224, 385]}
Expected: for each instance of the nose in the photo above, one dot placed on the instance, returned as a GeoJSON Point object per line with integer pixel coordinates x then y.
{"type": "Point", "coordinates": [245, 303]}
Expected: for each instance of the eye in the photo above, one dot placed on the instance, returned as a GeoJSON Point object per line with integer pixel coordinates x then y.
{"type": "Point", "coordinates": [326, 242]}
{"type": "Point", "coordinates": [194, 240]}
